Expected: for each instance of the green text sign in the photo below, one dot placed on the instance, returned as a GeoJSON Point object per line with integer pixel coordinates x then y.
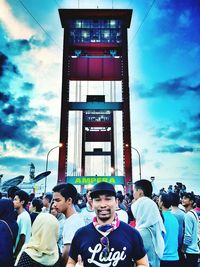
{"type": "Point", "coordinates": [85, 180]}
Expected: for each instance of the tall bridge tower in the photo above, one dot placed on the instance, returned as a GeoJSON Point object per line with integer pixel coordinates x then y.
{"type": "Point", "coordinates": [95, 87]}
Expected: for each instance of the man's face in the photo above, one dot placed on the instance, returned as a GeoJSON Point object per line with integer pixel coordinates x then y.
{"type": "Point", "coordinates": [17, 203]}
{"type": "Point", "coordinates": [54, 210]}
{"type": "Point", "coordinates": [32, 208]}
{"type": "Point", "coordinates": [186, 202]}
{"type": "Point", "coordinates": [60, 203]}
{"type": "Point", "coordinates": [104, 207]}
{"type": "Point", "coordinates": [89, 200]}
{"type": "Point", "coordinates": [137, 193]}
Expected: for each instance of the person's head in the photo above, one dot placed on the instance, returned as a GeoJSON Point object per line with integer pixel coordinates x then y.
{"type": "Point", "coordinates": [11, 191]}
{"type": "Point", "coordinates": [47, 199]}
{"type": "Point", "coordinates": [120, 197]}
{"type": "Point", "coordinates": [175, 199]}
{"type": "Point", "coordinates": [64, 196]}
{"type": "Point", "coordinates": [104, 201]}
{"type": "Point", "coordinates": [6, 210]}
{"type": "Point", "coordinates": [198, 202]}
{"type": "Point", "coordinates": [88, 192]}
{"type": "Point", "coordinates": [36, 205]}
{"type": "Point", "coordinates": [21, 199]}
{"type": "Point", "coordinates": [31, 197]}
{"type": "Point", "coordinates": [165, 201]}
{"type": "Point", "coordinates": [188, 200]}
{"type": "Point", "coordinates": [43, 241]}
{"type": "Point", "coordinates": [142, 188]}
{"type": "Point", "coordinates": [53, 209]}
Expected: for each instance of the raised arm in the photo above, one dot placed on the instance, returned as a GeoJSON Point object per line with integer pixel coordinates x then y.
{"type": "Point", "coordinates": [143, 262]}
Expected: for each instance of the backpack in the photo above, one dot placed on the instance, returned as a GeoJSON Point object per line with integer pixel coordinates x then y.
{"type": "Point", "coordinates": [197, 217]}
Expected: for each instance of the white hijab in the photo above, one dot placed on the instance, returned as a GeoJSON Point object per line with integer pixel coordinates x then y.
{"type": "Point", "coordinates": [148, 216]}
{"type": "Point", "coordinates": [42, 246]}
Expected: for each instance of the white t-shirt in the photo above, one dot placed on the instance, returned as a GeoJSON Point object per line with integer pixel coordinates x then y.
{"type": "Point", "coordinates": [71, 225]}
{"type": "Point", "coordinates": [87, 215]}
{"type": "Point", "coordinates": [122, 215]}
{"type": "Point", "coordinates": [24, 224]}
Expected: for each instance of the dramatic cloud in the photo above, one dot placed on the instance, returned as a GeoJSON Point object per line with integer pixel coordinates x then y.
{"type": "Point", "coordinates": [12, 24]}
{"type": "Point", "coordinates": [176, 87]}
{"type": "Point", "coordinates": [188, 130]}
{"type": "Point", "coordinates": [176, 149]}
{"type": "Point", "coordinates": [19, 132]}
{"type": "Point", "coordinates": [27, 86]}
{"type": "Point", "coordinates": [17, 47]}
{"type": "Point", "coordinates": [7, 66]}
{"type": "Point", "coordinates": [4, 97]}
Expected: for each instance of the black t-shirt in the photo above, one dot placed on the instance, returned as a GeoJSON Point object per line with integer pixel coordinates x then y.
{"type": "Point", "coordinates": [125, 246]}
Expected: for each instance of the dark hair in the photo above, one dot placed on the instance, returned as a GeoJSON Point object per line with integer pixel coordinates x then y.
{"type": "Point", "coordinates": [120, 197]}
{"type": "Point", "coordinates": [37, 203]}
{"type": "Point", "coordinates": [23, 196]}
{"type": "Point", "coordinates": [31, 196]}
{"type": "Point", "coordinates": [66, 190]}
{"type": "Point", "coordinates": [175, 199]}
{"type": "Point", "coordinates": [11, 191]}
{"type": "Point", "coordinates": [166, 200]}
{"type": "Point", "coordinates": [198, 202]}
{"type": "Point", "coordinates": [49, 196]}
{"type": "Point", "coordinates": [145, 186]}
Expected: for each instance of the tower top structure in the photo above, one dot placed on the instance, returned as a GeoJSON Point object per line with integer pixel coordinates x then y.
{"type": "Point", "coordinates": [120, 14]}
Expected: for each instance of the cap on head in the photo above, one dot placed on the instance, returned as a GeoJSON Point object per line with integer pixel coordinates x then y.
{"type": "Point", "coordinates": [103, 188]}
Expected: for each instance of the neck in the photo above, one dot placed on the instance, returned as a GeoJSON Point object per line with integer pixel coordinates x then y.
{"type": "Point", "coordinates": [89, 206]}
{"type": "Point", "coordinates": [20, 210]}
{"type": "Point", "coordinates": [70, 211]}
{"type": "Point", "coordinates": [109, 221]}
{"type": "Point", "coordinates": [164, 209]}
{"type": "Point", "coordinates": [188, 208]}
{"type": "Point", "coordinates": [174, 208]}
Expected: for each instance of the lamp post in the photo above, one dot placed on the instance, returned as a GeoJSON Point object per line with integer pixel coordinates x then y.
{"type": "Point", "coordinates": [139, 161]}
{"type": "Point", "coordinates": [47, 161]}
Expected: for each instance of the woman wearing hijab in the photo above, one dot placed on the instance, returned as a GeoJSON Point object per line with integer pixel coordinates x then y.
{"type": "Point", "coordinates": [42, 249]}
{"type": "Point", "coordinates": [150, 225]}
{"type": "Point", "coordinates": [8, 232]}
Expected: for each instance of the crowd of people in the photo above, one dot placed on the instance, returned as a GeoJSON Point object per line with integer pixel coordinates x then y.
{"type": "Point", "coordinates": [101, 227]}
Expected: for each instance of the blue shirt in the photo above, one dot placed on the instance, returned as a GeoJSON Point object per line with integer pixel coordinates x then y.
{"type": "Point", "coordinates": [171, 237]}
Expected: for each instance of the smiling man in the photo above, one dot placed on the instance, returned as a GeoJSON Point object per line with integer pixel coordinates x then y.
{"type": "Point", "coordinates": [64, 197]}
{"type": "Point", "coordinates": [106, 241]}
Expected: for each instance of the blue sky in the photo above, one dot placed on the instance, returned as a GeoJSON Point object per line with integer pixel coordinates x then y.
{"type": "Point", "coordinates": [164, 56]}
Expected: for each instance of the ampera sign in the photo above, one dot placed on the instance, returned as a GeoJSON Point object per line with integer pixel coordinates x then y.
{"type": "Point", "coordinates": [85, 180]}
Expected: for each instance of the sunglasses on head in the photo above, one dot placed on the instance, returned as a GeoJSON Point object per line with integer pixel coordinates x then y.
{"type": "Point", "coordinates": [105, 242]}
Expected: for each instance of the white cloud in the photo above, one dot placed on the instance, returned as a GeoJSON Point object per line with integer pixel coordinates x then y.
{"type": "Point", "coordinates": [14, 27]}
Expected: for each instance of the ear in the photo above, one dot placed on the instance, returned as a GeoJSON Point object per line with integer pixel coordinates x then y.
{"type": "Point", "coordinates": [69, 201]}
{"type": "Point", "coordinates": [141, 193]}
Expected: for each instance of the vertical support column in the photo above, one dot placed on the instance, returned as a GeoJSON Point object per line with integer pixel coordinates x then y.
{"type": "Point", "coordinates": [112, 144]}
{"type": "Point", "coordinates": [126, 113]}
{"type": "Point", "coordinates": [83, 147]}
{"type": "Point", "coordinates": [64, 112]}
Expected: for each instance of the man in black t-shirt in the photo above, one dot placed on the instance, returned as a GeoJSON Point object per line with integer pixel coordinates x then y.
{"type": "Point", "coordinates": [106, 241]}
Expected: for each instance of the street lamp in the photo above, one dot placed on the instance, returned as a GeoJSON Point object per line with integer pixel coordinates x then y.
{"type": "Point", "coordinates": [47, 161]}
{"type": "Point", "coordinates": [139, 161]}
